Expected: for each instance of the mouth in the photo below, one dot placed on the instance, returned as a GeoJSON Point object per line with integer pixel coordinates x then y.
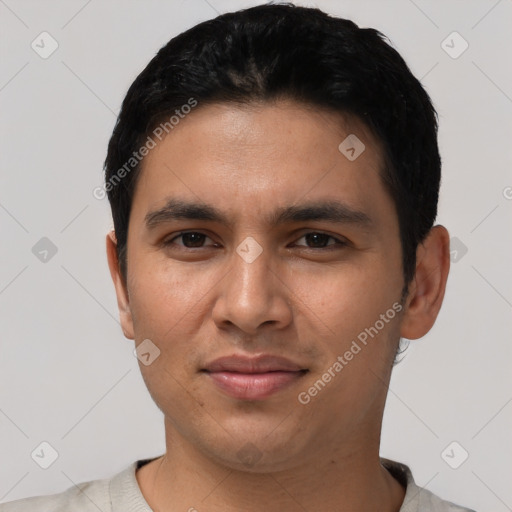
{"type": "Point", "coordinates": [253, 378]}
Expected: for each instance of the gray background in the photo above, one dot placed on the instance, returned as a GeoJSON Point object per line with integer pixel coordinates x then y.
{"type": "Point", "coordinates": [68, 376]}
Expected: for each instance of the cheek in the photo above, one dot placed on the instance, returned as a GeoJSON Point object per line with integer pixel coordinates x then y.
{"type": "Point", "coordinates": [349, 300]}
{"type": "Point", "coordinates": [349, 306]}
{"type": "Point", "coordinates": [166, 309]}
{"type": "Point", "coordinates": [163, 299]}
{"type": "Point", "coordinates": [360, 312]}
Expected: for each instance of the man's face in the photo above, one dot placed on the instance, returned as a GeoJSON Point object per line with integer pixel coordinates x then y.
{"type": "Point", "coordinates": [275, 275]}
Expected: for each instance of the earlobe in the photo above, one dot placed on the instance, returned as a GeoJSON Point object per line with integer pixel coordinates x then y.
{"type": "Point", "coordinates": [123, 302]}
{"type": "Point", "coordinates": [427, 289]}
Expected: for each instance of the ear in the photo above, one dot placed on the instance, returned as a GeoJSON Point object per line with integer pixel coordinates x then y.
{"type": "Point", "coordinates": [123, 302]}
{"type": "Point", "coordinates": [426, 291]}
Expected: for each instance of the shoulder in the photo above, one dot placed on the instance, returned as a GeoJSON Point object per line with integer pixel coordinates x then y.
{"type": "Point", "coordinates": [418, 499]}
{"type": "Point", "coordinates": [432, 503]}
{"type": "Point", "coordinates": [119, 493]}
{"type": "Point", "coordinates": [85, 497]}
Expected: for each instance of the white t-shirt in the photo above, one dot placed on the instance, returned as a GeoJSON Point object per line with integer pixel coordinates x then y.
{"type": "Point", "coordinates": [121, 493]}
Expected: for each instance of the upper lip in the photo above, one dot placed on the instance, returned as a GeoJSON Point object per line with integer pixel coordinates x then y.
{"type": "Point", "coordinates": [246, 364]}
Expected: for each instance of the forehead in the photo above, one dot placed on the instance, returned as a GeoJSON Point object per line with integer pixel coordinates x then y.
{"type": "Point", "coordinates": [254, 157]}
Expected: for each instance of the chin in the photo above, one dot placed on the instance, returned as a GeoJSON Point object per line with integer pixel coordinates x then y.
{"type": "Point", "coordinates": [256, 450]}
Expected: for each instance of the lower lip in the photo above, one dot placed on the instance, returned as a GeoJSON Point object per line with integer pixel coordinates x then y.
{"type": "Point", "coordinates": [253, 386]}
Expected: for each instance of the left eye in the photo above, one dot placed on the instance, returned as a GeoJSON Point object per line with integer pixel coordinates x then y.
{"type": "Point", "coordinates": [319, 240]}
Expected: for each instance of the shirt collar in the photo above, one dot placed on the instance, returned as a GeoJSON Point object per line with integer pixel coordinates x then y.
{"type": "Point", "coordinates": [126, 496]}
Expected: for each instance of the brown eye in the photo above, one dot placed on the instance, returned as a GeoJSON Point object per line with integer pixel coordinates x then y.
{"type": "Point", "coordinates": [190, 240]}
{"type": "Point", "coordinates": [193, 239]}
{"type": "Point", "coordinates": [319, 240]}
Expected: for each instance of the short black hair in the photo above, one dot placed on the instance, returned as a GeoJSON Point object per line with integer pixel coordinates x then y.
{"type": "Point", "coordinates": [281, 51]}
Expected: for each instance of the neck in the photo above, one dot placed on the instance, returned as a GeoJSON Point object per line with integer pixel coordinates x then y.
{"type": "Point", "coordinates": [343, 480]}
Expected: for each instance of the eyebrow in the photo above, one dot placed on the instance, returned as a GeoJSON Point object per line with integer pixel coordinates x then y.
{"type": "Point", "coordinates": [329, 211]}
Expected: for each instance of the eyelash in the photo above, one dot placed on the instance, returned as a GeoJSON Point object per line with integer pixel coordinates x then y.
{"type": "Point", "coordinates": [339, 243]}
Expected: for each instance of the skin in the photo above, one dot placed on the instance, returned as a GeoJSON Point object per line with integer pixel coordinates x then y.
{"type": "Point", "coordinates": [300, 298]}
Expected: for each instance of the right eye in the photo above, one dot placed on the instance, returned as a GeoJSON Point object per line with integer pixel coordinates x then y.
{"type": "Point", "coordinates": [190, 240]}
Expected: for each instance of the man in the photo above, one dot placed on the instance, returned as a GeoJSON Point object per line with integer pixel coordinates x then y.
{"type": "Point", "coordinates": [273, 177]}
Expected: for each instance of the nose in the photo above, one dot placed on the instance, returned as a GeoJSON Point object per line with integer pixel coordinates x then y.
{"type": "Point", "coordinates": [252, 296]}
